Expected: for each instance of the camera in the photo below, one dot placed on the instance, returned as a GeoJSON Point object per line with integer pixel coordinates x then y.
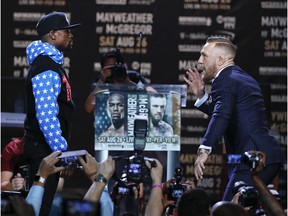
{"type": "Point", "coordinates": [140, 132]}
{"type": "Point", "coordinates": [136, 169]}
{"type": "Point", "coordinates": [176, 189]}
{"type": "Point", "coordinates": [123, 187]}
{"type": "Point", "coordinates": [252, 160]}
{"type": "Point", "coordinates": [119, 72]}
{"type": "Point", "coordinates": [69, 159]}
{"type": "Point", "coordinates": [248, 195]}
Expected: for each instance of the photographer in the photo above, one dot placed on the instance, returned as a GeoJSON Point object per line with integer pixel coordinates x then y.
{"type": "Point", "coordinates": [113, 71]}
{"type": "Point", "coordinates": [121, 191]}
{"type": "Point", "coordinates": [270, 204]}
{"type": "Point", "coordinates": [173, 190]}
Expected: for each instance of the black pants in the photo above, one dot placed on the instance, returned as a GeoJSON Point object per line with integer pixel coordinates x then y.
{"type": "Point", "coordinates": [34, 152]}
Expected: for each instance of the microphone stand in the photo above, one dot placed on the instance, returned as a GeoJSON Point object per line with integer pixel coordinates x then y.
{"type": "Point", "coordinates": [140, 85]}
{"type": "Point", "coordinates": [140, 51]}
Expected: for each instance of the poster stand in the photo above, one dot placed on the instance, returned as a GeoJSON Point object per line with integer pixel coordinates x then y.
{"type": "Point", "coordinates": [138, 100]}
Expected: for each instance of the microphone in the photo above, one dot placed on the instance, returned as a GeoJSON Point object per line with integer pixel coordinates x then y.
{"type": "Point", "coordinates": [140, 51]}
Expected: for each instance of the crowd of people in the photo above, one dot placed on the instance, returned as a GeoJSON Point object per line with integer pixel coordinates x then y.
{"type": "Point", "coordinates": [192, 201]}
{"type": "Point", "coordinates": [235, 106]}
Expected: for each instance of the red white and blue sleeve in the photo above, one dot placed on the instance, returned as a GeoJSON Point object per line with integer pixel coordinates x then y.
{"type": "Point", "coordinates": [46, 89]}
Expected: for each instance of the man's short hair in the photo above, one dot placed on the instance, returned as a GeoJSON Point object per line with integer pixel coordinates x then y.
{"type": "Point", "coordinates": [120, 96]}
{"type": "Point", "coordinates": [194, 202]}
{"type": "Point", "coordinates": [223, 42]}
{"type": "Point", "coordinates": [158, 95]}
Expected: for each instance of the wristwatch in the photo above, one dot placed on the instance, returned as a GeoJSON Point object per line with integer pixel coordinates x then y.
{"type": "Point", "coordinates": [39, 179]}
{"type": "Point", "coordinates": [202, 150]}
{"type": "Point", "coordinates": [100, 178]}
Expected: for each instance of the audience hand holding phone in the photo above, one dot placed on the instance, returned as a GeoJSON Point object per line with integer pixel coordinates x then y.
{"type": "Point", "coordinates": [89, 165]}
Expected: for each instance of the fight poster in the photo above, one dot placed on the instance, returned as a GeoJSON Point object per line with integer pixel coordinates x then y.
{"type": "Point", "coordinates": [116, 109]}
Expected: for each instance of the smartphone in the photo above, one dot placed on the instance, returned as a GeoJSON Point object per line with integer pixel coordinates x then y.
{"type": "Point", "coordinates": [72, 153]}
{"type": "Point", "coordinates": [123, 190]}
{"type": "Point", "coordinates": [234, 158]}
{"type": "Point", "coordinates": [69, 159]}
{"type": "Point", "coordinates": [78, 207]}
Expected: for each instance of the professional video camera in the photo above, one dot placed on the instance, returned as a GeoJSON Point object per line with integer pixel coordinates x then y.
{"type": "Point", "coordinates": [118, 70]}
{"type": "Point", "coordinates": [176, 188]}
{"type": "Point", "coordinates": [136, 169]}
{"type": "Point", "coordinates": [248, 195]}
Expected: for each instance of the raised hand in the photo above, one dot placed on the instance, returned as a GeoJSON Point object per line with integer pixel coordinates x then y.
{"type": "Point", "coordinates": [90, 166]}
{"type": "Point", "coordinates": [195, 82]}
{"type": "Point", "coordinates": [47, 166]}
{"type": "Point", "coordinates": [106, 168]}
{"type": "Point", "coordinates": [18, 182]}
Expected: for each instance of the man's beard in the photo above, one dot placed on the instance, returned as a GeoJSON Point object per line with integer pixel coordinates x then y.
{"type": "Point", "coordinates": [117, 123]}
{"type": "Point", "coordinates": [207, 77]}
{"type": "Point", "coordinates": [156, 121]}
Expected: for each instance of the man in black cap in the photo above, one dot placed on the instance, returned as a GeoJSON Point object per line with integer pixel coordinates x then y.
{"type": "Point", "coordinates": [48, 99]}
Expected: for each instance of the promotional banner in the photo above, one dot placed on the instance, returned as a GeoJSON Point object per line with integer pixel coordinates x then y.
{"type": "Point", "coordinates": [160, 40]}
{"type": "Point", "coordinates": [117, 109]}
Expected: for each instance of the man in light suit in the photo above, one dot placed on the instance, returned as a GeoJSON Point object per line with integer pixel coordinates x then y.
{"type": "Point", "coordinates": [237, 112]}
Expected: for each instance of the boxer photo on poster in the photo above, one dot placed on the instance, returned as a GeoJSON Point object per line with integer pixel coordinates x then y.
{"type": "Point", "coordinates": [114, 120]}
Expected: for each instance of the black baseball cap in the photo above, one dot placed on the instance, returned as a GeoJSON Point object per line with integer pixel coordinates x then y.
{"type": "Point", "coordinates": [53, 21]}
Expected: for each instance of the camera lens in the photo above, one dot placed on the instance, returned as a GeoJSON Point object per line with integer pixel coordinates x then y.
{"type": "Point", "coordinates": [248, 196]}
{"type": "Point", "coordinates": [252, 160]}
{"type": "Point", "coordinates": [119, 72]}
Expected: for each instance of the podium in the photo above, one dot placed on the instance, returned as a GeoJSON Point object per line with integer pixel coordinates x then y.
{"type": "Point", "coordinates": [117, 105]}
